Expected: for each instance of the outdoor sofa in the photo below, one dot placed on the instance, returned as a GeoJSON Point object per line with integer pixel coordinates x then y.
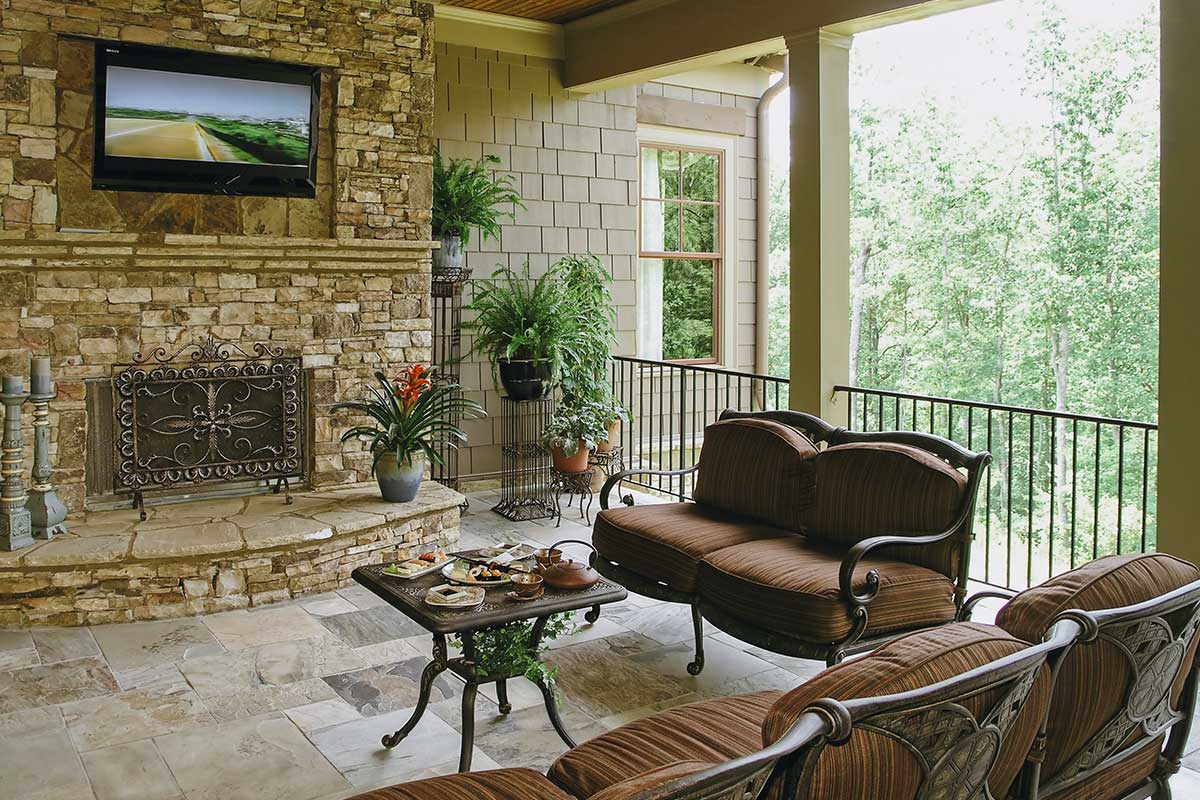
{"type": "Point", "coordinates": [806, 539]}
{"type": "Point", "coordinates": [964, 711]}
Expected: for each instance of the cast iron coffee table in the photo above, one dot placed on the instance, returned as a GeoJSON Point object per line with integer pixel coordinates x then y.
{"type": "Point", "coordinates": [408, 597]}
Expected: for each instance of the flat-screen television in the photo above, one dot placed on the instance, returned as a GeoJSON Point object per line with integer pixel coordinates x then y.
{"type": "Point", "coordinates": [181, 121]}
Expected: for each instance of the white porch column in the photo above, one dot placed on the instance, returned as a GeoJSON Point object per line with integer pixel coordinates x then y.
{"type": "Point", "coordinates": [1179, 332]}
{"type": "Point", "coordinates": [820, 221]}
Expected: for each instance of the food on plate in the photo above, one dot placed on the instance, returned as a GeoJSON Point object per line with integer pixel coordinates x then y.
{"type": "Point", "coordinates": [433, 557]}
{"type": "Point", "coordinates": [405, 569]}
{"type": "Point", "coordinates": [490, 572]}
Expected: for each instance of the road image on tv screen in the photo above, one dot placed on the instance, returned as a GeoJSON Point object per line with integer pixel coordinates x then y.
{"type": "Point", "coordinates": [156, 114]}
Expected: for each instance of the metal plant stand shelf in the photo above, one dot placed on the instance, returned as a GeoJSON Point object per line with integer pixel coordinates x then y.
{"type": "Point", "coordinates": [446, 296]}
{"type": "Point", "coordinates": [573, 484]}
{"type": "Point", "coordinates": [525, 490]}
{"type": "Point", "coordinates": [408, 597]}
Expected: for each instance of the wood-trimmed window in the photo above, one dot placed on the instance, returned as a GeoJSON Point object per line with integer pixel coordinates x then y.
{"type": "Point", "coordinates": [680, 252]}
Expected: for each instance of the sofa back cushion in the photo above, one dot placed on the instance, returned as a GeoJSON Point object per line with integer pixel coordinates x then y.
{"type": "Point", "coordinates": [867, 489]}
{"type": "Point", "coordinates": [875, 766]}
{"type": "Point", "coordinates": [1078, 711]}
{"type": "Point", "coordinates": [759, 469]}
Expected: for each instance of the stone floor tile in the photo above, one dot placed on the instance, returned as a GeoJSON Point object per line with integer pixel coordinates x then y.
{"type": "Point", "coordinates": [326, 605]}
{"type": "Point", "coordinates": [371, 626]}
{"type": "Point", "coordinates": [600, 678]}
{"type": "Point", "coordinates": [31, 722]}
{"type": "Point", "coordinates": [380, 690]}
{"type": "Point", "coordinates": [132, 771]}
{"type": "Point", "coordinates": [774, 679]}
{"type": "Point", "coordinates": [132, 716]}
{"type": "Point", "coordinates": [53, 684]}
{"type": "Point", "coordinates": [161, 678]}
{"type": "Point", "coordinates": [17, 650]}
{"type": "Point", "coordinates": [270, 665]}
{"type": "Point", "coordinates": [360, 597]}
{"type": "Point", "coordinates": [802, 667]}
{"type": "Point", "coordinates": [722, 664]}
{"type": "Point", "coordinates": [666, 623]}
{"type": "Point", "coordinates": [325, 714]}
{"type": "Point", "coordinates": [587, 631]}
{"type": "Point", "coordinates": [64, 644]}
{"type": "Point", "coordinates": [240, 630]}
{"type": "Point", "coordinates": [42, 766]}
{"type": "Point", "coordinates": [147, 643]}
{"type": "Point", "coordinates": [266, 699]}
{"type": "Point", "coordinates": [376, 655]}
{"type": "Point", "coordinates": [355, 749]}
{"type": "Point", "coordinates": [263, 758]}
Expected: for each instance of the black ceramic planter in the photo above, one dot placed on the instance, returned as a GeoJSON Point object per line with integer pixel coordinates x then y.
{"type": "Point", "coordinates": [524, 379]}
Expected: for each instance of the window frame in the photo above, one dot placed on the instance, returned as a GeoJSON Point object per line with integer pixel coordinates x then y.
{"type": "Point", "coordinates": [725, 147]}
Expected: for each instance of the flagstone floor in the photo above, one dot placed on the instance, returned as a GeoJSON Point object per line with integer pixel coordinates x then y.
{"type": "Point", "coordinates": [288, 702]}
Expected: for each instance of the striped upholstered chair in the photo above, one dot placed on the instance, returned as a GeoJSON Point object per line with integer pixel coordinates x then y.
{"type": "Point", "coordinates": [804, 538]}
{"type": "Point", "coordinates": [943, 713]}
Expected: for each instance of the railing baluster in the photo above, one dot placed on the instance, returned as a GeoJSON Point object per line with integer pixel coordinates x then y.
{"type": "Point", "coordinates": [1120, 485]}
{"type": "Point", "coordinates": [1096, 499]}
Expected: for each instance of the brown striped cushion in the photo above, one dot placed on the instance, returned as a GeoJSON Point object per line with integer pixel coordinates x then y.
{"type": "Point", "coordinates": [875, 767]}
{"type": "Point", "coordinates": [1114, 782]}
{"type": "Point", "coordinates": [790, 585]}
{"type": "Point", "coordinates": [873, 489]}
{"type": "Point", "coordinates": [711, 731]}
{"type": "Point", "coordinates": [497, 784]}
{"type": "Point", "coordinates": [666, 542]}
{"type": "Point", "coordinates": [1078, 711]}
{"type": "Point", "coordinates": [652, 779]}
{"type": "Point", "coordinates": [759, 469]}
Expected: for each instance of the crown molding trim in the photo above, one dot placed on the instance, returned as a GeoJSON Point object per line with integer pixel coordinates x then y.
{"type": "Point", "coordinates": [472, 28]}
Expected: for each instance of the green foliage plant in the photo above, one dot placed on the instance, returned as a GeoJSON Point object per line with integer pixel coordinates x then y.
{"type": "Point", "coordinates": [508, 650]}
{"type": "Point", "coordinates": [467, 194]}
{"type": "Point", "coordinates": [411, 414]}
{"type": "Point", "coordinates": [575, 423]}
{"type": "Point", "coordinates": [585, 378]}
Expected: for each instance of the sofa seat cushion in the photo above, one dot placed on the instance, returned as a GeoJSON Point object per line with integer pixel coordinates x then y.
{"type": "Point", "coordinates": [666, 542]}
{"type": "Point", "coordinates": [874, 766]}
{"type": "Point", "coordinates": [708, 732]}
{"type": "Point", "coordinates": [1078, 711]}
{"type": "Point", "coordinates": [867, 489]}
{"type": "Point", "coordinates": [759, 469]}
{"type": "Point", "coordinates": [790, 585]}
{"type": "Point", "coordinates": [1116, 781]}
{"type": "Point", "coordinates": [496, 784]}
{"type": "Point", "coordinates": [659, 776]}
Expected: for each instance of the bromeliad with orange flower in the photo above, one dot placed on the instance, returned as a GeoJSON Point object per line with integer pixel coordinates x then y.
{"type": "Point", "coordinates": [414, 416]}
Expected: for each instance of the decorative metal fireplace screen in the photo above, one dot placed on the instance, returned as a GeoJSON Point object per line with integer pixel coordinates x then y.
{"type": "Point", "coordinates": [209, 413]}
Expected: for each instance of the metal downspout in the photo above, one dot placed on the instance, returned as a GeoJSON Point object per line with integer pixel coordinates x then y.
{"type": "Point", "coordinates": [762, 267]}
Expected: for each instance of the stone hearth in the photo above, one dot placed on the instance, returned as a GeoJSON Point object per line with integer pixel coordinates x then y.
{"type": "Point", "coordinates": [217, 554]}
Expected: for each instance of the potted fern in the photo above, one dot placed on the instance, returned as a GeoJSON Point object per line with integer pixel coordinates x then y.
{"type": "Point", "coordinates": [466, 195]}
{"type": "Point", "coordinates": [411, 415]}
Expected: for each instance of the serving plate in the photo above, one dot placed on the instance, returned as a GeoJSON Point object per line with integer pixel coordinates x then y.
{"type": "Point", "coordinates": [475, 595]}
{"type": "Point", "coordinates": [410, 575]}
{"type": "Point", "coordinates": [456, 572]}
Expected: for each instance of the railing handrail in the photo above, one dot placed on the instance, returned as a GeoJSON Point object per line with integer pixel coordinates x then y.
{"type": "Point", "coordinates": [711, 368]}
{"type": "Point", "coordinates": [1039, 412]}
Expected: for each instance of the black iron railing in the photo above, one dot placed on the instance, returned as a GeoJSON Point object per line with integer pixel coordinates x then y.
{"type": "Point", "coordinates": [670, 404]}
{"type": "Point", "coordinates": [1062, 489]}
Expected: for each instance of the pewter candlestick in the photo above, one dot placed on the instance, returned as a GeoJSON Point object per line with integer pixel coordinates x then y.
{"type": "Point", "coordinates": [46, 511]}
{"type": "Point", "coordinates": [15, 521]}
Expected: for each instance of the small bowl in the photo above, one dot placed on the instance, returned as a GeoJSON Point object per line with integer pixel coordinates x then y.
{"type": "Point", "coordinates": [547, 557]}
{"type": "Point", "coordinates": [526, 584]}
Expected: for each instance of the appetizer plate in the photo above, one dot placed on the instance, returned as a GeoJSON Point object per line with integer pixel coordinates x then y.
{"type": "Point", "coordinates": [458, 572]}
{"type": "Point", "coordinates": [474, 596]}
{"type": "Point", "coordinates": [421, 568]}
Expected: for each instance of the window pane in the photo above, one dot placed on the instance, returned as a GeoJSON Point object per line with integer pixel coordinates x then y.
{"type": "Point", "coordinates": [700, 171]}
{"type": "Point", "coordinates": [660, 227]}
{"type": "Point", "coordinates": [687, 317]}
{"type": "Point", "coordinates": [660, 173]}
{"type": "Point", "coordinates": [700, 229]}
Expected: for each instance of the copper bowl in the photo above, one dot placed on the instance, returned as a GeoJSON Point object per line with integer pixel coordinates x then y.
{"type": "Point", "coordinates": [526, 584]}
{"type": "Point", "coordinates": [547, 557]}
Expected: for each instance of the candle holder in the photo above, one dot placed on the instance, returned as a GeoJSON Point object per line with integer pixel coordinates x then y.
{"type": "Point", "coordinates": [47, 512]}
{"type": "Point", "coordinates": [15, 521]}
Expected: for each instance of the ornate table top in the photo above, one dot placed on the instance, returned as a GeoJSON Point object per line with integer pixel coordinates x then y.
{"type": "Point", "coordinates": [407, 595]}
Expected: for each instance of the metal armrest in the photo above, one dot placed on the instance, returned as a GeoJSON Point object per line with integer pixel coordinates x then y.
{"type": "Point", "coordinates": [964, 615]}
{"type": "Point", "coordinates": [620, 476]}
{"type": "Point", "coordinates": [860, 550]}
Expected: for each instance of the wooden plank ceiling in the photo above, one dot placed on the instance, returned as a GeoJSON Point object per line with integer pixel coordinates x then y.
{"type": "Point", "coordinates": [544, 10]}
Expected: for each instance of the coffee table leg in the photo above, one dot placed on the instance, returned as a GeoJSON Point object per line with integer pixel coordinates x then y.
{"type": "Point", "coordinates": [468, 727]}
{"type": "Point", "coordinates": [502, 696]}
{"type": "Point", "coordinates": [432, 670]}
{"type": "Point", "coordinates": [552, 712]}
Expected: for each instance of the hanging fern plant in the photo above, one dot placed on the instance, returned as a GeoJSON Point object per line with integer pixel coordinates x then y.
{"type": "Point", "coordinates": [468, 194]}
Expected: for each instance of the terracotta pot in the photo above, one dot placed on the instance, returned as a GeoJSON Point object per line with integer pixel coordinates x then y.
{"type": "Point", "coordinates": [614, 436]}
{"type": "Point", "coordinates": [399, 482]}
{"type": "Point", "coordinates": [575, 463]}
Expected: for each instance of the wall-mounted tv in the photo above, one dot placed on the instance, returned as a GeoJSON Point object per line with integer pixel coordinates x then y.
{"type": "Point", "coordinates": [181, 121]}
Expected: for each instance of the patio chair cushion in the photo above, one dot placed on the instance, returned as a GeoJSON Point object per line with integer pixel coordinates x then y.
{"type": "Point", "coordinates": [1078, 711]}
{"type": "Point", "coordinates": [651, 779]}
{"type": "Point", "coordinates": [867, 489]}
{"type": "Point", "coordinates": [1117, 781]}
{"type": "Point", "coordinates": [759, 469]}
{"type": "Point", "coordinates": [666, 542]}
{"type": "Point", "coordinates": [496, 784]}
{"type": "Point", "coordinates": [703, 733]}
{"type": "Point", "coordinates": [790, 585]}
{"type": "Point", "coordinates": [872, 766]}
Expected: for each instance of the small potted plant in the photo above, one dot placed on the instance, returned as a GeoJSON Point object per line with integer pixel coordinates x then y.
{"type": "Point", "coordinates": [466, 194]}
{"type": "Point", "coordinates": [572, 433]}
{"type": "Point", "coordinates": [526, 327]}
{"type": "Point", "coordinates": [412, 415]}
{"type": "Point", "coordinates": [612, 413]}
